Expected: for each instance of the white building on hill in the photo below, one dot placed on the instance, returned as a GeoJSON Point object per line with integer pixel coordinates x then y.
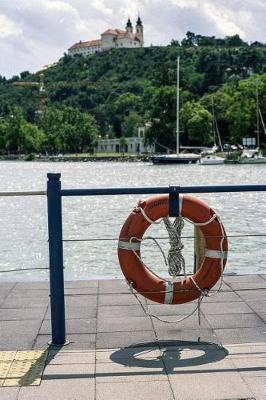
{"type": "Point", "coordinates": [111, 39]}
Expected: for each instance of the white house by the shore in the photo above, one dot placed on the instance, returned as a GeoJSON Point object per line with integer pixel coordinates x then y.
{"type": "Point", "coordinates": [130, 145]}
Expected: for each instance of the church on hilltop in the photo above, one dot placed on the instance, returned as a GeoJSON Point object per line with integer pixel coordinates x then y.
{"type": "Point", "coordinates": [111, 39]}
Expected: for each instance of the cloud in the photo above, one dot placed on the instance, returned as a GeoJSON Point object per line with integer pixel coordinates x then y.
{"type": "Point", "coordinates": [8, 27]}
{"type": "Point", "coordinates": [34, 33]}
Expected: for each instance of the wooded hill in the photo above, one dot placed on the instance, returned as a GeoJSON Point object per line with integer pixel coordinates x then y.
{"type": "Point", "coordinates": [114, 92]}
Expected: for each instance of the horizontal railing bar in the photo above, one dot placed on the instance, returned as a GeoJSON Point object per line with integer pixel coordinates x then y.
{"type": "Point", "coordinates": [9, 194]}
{"type": "Point", "coordinates": [165, 238]}
{"type": "Point", "coordinates": [161, 190]}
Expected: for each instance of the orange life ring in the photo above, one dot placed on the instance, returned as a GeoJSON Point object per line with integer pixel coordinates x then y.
{"type": "Point", "coordinates": [149, 284]}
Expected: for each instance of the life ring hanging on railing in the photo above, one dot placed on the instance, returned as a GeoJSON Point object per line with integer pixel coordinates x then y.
{"type": "Point", "coordinates": [150, 285]}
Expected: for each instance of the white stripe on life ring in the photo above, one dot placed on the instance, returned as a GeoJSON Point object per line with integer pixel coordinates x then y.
{"type": "Point", "coordinates": [169, 292]}
{"type": "Point", "coordinates": [129, 245]}
{"type": "Point", "coordinates": [216, 254]}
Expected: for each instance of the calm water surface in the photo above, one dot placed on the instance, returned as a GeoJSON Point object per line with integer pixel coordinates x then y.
{"type": "Point", "coordinates": [23, 232]}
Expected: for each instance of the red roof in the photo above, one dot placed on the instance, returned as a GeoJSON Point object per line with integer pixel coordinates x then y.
{"type": "Point", "coordinates": [113, 32]}
{"type": "Point", "coordinates": [89, 43]}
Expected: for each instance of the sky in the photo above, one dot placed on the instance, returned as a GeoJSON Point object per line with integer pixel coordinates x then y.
{"type": "Point", "coordinates": [34, 33]}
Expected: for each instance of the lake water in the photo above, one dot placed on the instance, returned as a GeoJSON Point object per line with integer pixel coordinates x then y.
{"type": "Point", "coordinates": [96, 221]}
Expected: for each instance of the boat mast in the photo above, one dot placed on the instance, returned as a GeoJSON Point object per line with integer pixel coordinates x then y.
{"type": "Point", "coordinates": [258, 117]}
{"type": "Point", "coordinates": [213, 123]}
{"type": "Point", "coordinates": [177, 106]}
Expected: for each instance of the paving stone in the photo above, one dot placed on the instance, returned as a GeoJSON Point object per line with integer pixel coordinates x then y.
{"type": "Point", "coordinates": [223, 297]}
{"type": "Point", "coordinates": [234, 321]}
{"type": "Point", "coordinates": [257, 386]}
{"type": "Point", "coordinates": [72, 326]}
{"type": "Point", "coordinates": [32, 285]}
{"type": "Point", "coordinates": [81, 301]}
{"type": "Point", "coordinates": [113, 286]}
{"type": "Point", "coordinates": [129, 391]}
{"type": "Point", "coordinates": [29, 293]}
{"type": "Point", "coordinates": [197, 361]}
{"type": "Point", "coordinates": [120, 311]}
{"type": "Point", "coordinates": [243, 335]}
{"type": "Point", "coordinates": [7, 286]}
{"type": "Point", "coordinates": [189, 345]}
{"type": "Point", "coordinates": [137, 355]}
{"type": "Point", "coordinates": [9, 393]}
{"type": "Point", "coordinates": [251, 367]}
{"type": "Point", "coordinates": [242, 278]}
{"type": "Point", "coordinates": [71, 370]}
{"type": "Point", "coordinates": [126, 371]}
{"type": "Point", "coordinates": [263, 316]}
{"type": "Point", "coordinates": [236, 286]}
{"type": "Point", "coordinates": [64, 356]}
{"type": "Point", "coordinates": [188, 323]}
{"type": "Point", "coordinates": [170, 309]}
{"type": "Point", "coordinates": [120, 324]}
{"type": "Point", "coordinates": [196, 336]}
{"type": "Point", "coordinates": [27, 302]}
{"type": "Point", "coordinates": [29, 327]}
{"type": "Point", "coordinates": [81, 291]}
{"type": "Point", "coordinates": [121, 339]}
{"type": "Point", "coordinates": [257, 306]}
{"type": "Point", "coordinates": [77, 342]}
{"type": "Point", "coordinates": [254, 295]}
{"type": "Point", "coordinates": [15, 341]}
{"type": "Point", "coordinates": [246, 350]}
{"type": "Point", "coordinates": [8, 314]}
{"type": "Point", "coordinates": [225, 287]}
{"type": "Point", "coordinates": [187, 359]}
{"type": "Point", "coordinates": [203, 385]}
{"type": "Point", "coordinates": [81, 284]}
{"type": "Point", "coordinates": [225, 308]}
{"type": "Point", "coordinates": [116, 299]}
{"type": "Point", "coordinates": [63, 382]}
{"type": "Point", "coordinates": [76, 312]}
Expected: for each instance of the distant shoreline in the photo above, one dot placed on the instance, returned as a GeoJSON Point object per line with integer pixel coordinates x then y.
{"type": "Point", "coordinates": [76, 158]}
{"type": "Point", "coordinates": [106, 158]}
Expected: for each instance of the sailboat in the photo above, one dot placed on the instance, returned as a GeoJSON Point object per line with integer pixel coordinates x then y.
{"type": "Point", "coordinates": [255, 156]}
{"type": "Point", "coordinates": [176, 158]}
{"type": "Point", "coordinates": [212, 159]}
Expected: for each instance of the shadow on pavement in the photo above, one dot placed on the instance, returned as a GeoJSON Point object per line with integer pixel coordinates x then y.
{"type": "Point", "coordinates": [172, 352]}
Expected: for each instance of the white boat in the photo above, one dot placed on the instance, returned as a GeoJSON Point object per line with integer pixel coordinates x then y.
{"type": "Point", "coordinates": [211, 159]}
{"type": "Point", "coordinates": [252, 156]}
{"type": "Point", "coordinates": [176, 158]}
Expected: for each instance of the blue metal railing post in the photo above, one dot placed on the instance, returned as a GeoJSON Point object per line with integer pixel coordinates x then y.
{"type": "Point", "coordinates": [56, 259]}
{"type": "Point", "coordinates": [174, 201]}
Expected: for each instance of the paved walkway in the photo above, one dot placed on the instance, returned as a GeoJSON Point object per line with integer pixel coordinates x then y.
{"type": "Point", "coordinates": [116, 352]}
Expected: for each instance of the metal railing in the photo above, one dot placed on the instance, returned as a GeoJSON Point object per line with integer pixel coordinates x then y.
{"type": "Point", "coordinates": [54, 198]}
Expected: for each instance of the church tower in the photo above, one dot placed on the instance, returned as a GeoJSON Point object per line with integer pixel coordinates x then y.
{"type": "Point", "coordinates": [139, 30]}
{"type": "Point", "coordinates": [129, 27]}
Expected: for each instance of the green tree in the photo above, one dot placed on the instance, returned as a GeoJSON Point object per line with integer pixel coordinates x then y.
{"type": "Point", "coordinates": [80, 130]}
{"type": "Point", "coordinates": [131, 123]}
{"type": "Point", "coordinates": [14, 135]}
{"type": "Point", "coordinates": [33, 138]}
{"type": "Point", "coordinates": [163, 117]}
{"type": "Point", "coordinates": [51, 122]}
{"type": "Point", "coordinates": [197, 123]}
{"type": "Point", "coordinates": [68, 130]}
{"type": "Point", "coordinates": [3, 132]}
{"type": "Point", "coordinates": [127, 102]}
